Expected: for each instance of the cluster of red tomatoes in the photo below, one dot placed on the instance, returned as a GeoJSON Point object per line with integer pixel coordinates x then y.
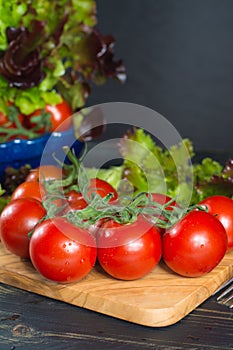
{"type": "Point", "coordinates": [64, 252]}
{"type": "Point", "coordinates": [57, 118]}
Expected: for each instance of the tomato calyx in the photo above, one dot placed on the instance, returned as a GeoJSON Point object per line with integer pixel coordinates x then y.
{"type": "Point", "coordinates": [100, 209]}
{"type": "Point", "coordinates": [102, 206]}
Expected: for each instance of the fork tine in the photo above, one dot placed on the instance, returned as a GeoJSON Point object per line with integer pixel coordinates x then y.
{"type": "Point", "coordinates": [227, 295]}
{"type": "Point", "coordinates": [228, 299]}
{"type": "Point", "coordinates": [226, 291]}
{"type": "Point", "coordinates": [224, 285]}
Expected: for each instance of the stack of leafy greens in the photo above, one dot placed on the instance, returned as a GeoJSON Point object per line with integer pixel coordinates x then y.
{"type": "Point", "coordinates": [148, 167]}
{"type": "Point", "coordinates": [52, 48]}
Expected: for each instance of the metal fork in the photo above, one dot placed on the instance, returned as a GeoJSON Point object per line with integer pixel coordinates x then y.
{"type": "Point", "coordinates": [226, 297]}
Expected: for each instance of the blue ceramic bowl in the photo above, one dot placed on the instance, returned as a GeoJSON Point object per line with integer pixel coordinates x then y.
{"type": "Point", "coordinates": [37, 151]}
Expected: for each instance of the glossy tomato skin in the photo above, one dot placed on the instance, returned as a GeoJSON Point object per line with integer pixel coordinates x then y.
{"type": "Point", "coordinates": [129, 251]}
{"type": "Point", "coordinates": [103, 188]}
{"type": "Point", "coordinates": [222, 208]}
{"type": "Point", "coordinates": [45, 173]}
{"type": "Point", "coordinates": [195, 245]}
{"type": "Point", "coordinates": [76, 201]}
{"type": "Point", "coordinates": [29, 189]}
{"type": "Point", "coordinates": [17, 220]}
{"type": "Point", "coordinates": [162, 199]}
{"type": "Point", "coordinates": [61, 251]}
{"type": "Point", "coordinates": [60, 116]}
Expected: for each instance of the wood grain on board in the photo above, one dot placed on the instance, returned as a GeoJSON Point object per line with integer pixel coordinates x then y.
{"type": "Point", "coordinates": [160, 299]}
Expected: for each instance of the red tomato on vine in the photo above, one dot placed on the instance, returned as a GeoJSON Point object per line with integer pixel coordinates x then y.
{"type": "Point", "coordinates": [76, 201]}
{"type": "Point", "coordinates": [17, 220]}
{"type": "Point", "coordinates": [44, 173]}
{"type": "Point", "coordinates": [195, 244]}
{"type": "Point", "coordinates": [222, 208]}
{"type": "Point", "coordinates": [29, 189]}
{"type": "Point", "coordinates": [61, 251]}
{"type": "Point", "coordinates": [102, 188]}
{"type": "Point", "coordinates": [128, 251]}
{"type": "Point", "coordinates": [59, 117]}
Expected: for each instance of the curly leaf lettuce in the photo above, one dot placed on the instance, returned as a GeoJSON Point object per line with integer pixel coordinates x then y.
{"type": "Point", "coordinates": [62, 53]}
{"type": "Point", "coordinates": [148, 167]}
{"type": "Point", "coordinates": [211, 178]}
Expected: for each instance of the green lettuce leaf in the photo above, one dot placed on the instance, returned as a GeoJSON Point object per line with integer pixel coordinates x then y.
{"type": "Point", "coordinates": [150, 168]}
{"type": "Point", "coordinates": [147, 167]}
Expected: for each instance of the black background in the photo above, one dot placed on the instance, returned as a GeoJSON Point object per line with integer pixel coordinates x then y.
{"type": "Point", "coordinates": [179, 60]}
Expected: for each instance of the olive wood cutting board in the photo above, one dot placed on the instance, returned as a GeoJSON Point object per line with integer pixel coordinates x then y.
{"type": "Point", "coordinates": [160, 299]}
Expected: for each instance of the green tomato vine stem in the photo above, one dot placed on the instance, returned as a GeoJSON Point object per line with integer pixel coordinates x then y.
{"type": "Point", "coordinates": [18, 130]}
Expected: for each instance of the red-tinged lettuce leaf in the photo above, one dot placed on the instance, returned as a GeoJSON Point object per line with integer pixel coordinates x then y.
{"type": "Point", "coordinates": [108, 67]}
{"type": "Point", "coordinates": [94, 56]}
{"type": "Point", "coordinates": [219, 182]}
{"type": "Point", "coordinates": [62, 52]}
{"type": "Point", "coordinates": [217, 185]}
{"type": "Point", "coordinates": [228, 169]}
{"type": "Point", "coordinates": [87, 49]}
{"type": "Point", "coordinates": [21, 64]}
{"type": "Point", "coordinates": [89, 123]}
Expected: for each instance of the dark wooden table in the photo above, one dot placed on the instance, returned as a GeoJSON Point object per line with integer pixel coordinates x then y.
{"type": "Point", "coordinates": [29, 321]}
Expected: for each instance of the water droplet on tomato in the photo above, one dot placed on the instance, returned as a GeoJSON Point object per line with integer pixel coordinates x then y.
{"type": "Point", "coordinates": [107, 234]}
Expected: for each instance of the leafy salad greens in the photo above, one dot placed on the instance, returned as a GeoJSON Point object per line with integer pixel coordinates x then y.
{"type": "Point", "coordinates": [52, 48]}
{"type": "Point", "coordinates": [148, 167]}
